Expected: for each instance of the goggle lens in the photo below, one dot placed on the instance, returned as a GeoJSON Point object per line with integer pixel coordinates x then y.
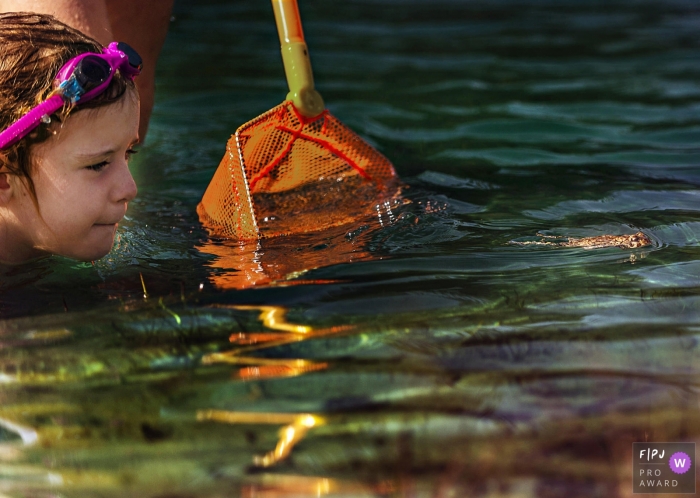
{"type": "Point", "coordinates": [91, 72]}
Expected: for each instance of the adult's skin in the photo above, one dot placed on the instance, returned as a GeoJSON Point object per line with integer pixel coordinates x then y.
{"type": "Point", "coordinates": [142, 24]}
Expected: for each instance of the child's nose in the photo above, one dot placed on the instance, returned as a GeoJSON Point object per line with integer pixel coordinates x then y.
{"type": "Point", "coordinates": [126, 190]}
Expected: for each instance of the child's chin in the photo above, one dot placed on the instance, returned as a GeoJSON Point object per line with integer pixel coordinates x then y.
{"type": "Point", "coordinates": [93, 252]}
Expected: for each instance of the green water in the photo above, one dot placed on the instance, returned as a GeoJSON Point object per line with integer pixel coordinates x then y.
{"type": "Point", "coordinates": [439, 360]}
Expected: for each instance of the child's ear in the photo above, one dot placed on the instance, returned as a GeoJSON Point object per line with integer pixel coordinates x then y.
{"type": "Point", "coordinates": [5, 186]}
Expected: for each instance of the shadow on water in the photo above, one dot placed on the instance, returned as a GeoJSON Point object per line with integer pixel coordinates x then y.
{"type": "Point", "coordinates": [423, 357]}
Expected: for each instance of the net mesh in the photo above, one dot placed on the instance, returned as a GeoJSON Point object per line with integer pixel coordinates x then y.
{"type": "Point", "coordinates": [283, 173]}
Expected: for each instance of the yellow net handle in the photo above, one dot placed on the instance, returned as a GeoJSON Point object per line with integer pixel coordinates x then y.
{"type": "Point", "coordinates": [295, 55]}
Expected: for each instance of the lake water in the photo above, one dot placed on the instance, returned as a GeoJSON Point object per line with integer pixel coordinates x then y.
{"type": "Point", "coordinates": [427, 357]}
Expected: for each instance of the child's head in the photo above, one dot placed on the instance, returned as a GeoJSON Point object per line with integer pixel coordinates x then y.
{"type": "Point", "coordinates": [64, 186]}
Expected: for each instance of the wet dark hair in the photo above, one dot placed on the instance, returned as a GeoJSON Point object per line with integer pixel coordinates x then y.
{"type": "Point", "coordinates": [33, 47]}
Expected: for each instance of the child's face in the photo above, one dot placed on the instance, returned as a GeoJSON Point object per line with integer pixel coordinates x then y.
{"type": "Point", "coordinates": [82, 182]}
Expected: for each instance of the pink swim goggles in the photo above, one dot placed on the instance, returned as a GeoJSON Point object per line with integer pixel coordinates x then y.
{"type": "Point", "coordinates": [80, 79]}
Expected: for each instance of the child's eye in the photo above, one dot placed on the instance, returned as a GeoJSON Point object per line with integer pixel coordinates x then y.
{"type": "Point", "coordinates": [98, 166]}
{"type": "Point", "coordinates": [130, 152]}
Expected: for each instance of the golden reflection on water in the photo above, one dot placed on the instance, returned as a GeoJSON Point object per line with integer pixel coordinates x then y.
{"type": "Point", "coordinates": [296, 426]}
{"type": "Point", "coordinates": [271, 371]}
{"type": "Point", "coordinates": [275, 318]}
{"type": "Point", "coordinates": [287, 486]}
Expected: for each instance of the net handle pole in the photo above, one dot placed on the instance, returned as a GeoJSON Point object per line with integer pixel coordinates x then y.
{"type": "Point", "coordinates": [295, 56]}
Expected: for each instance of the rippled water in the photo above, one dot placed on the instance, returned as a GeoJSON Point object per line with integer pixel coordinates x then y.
{"type": "Point", "coordinates": [419, 356]}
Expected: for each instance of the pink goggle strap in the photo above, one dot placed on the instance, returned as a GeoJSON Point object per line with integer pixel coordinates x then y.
{"type": "Point", "coordinates": [29, 121]}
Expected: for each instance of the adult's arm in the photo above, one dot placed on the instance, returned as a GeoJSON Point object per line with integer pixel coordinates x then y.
{"type": "Point", "coordinates": [143, 24]}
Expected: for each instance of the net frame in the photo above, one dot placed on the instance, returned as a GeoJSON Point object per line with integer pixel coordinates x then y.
{"type": "Point", "coordinates": [284, 153]}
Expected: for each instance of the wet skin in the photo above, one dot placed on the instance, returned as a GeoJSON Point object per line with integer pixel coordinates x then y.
{"type": "Point", "coordinates": [83, 185]}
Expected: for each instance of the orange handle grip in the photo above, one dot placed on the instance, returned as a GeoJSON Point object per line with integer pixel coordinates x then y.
{"type": "Point", "coordinates": [288, 21]}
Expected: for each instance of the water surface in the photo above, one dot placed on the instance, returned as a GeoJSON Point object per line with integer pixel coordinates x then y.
{"type": "Point", "coordinates": [419, 356]}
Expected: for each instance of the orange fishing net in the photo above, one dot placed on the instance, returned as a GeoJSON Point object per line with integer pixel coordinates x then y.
{"type": "Point", "coordinates": [284, 173]}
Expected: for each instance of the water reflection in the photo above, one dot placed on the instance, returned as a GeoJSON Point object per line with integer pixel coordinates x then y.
{"type": "Point", "coordinates": [296, 425]}
{"type": "Point", "coordinates": [287, 486]}
{"type": "Point", "coordinates": [475, 407]}
{"type": "Point", "coordinates": [282, 260]}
